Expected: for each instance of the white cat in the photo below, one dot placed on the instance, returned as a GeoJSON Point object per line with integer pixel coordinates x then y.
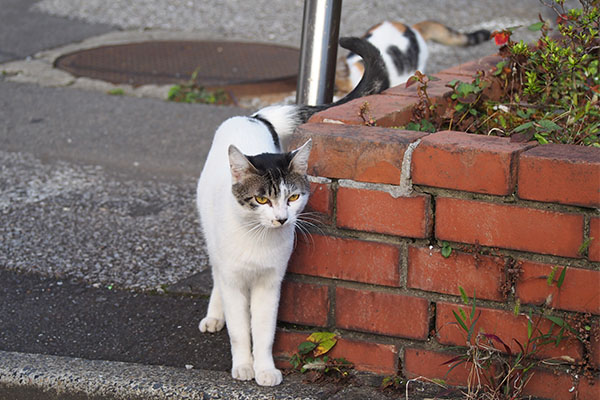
{"type": "Point", "coordinates": [250, 196]}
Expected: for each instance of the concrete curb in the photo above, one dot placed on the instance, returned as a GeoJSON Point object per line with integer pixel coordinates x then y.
{"type": "Point", "coordinates": [35, 376]}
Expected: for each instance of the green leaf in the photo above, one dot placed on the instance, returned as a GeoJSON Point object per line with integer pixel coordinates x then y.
{"type": "Point", "coordinates": [462, 314]}
{"type": "Point", "coordinates": [427, 126]}
{"type": "Point", "coordinates": [472, 328]}
{"type": "Point", "coordinates": [548, 125]}
{"type": "Point", "coordinates": [584, 246]}
{"type": "Point", "coordinates": [460, 321]}
{"type": "Point", "coordinates": [535, 27]}
{"type": "Point", "coordinates": [499, 67]}
{"type": "Point", "coordinates": [473, 307]}
{"type": "Point", "coordinates": [324, 341]}
{"type": "Point", "coordinates": [306, 347]}
{"type": "Point", "coordinates": [524, 126]}
{"type": "Point", "coordinates": [541, 139]}
{"type": "Point", "coordinates": [446, 249]}
{"type": "Point", "coordinates": [550, 278]}
{"type": "Point", "coordinates": [561, 277]}
{"type": "Point", "coordinates": [529, 326]}
{"type": "Point", "coordinates": [463, 295]}
{"type": "Point", "coordinates": [556, 320]}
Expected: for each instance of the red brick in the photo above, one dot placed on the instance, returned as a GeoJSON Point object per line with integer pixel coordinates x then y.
{"type": "Point", "coordinates": [503, 324]}
{"type": "Point", "coordinates": [347, 259]}
{"type": "Point", "coordinates": [320, 202]}
{"type": "Point", "coordinates": [589, 390]}
{"type": "Point", "coordinates": [382, 313]}
{"type": "Point", "coordinates": [359, 153]}
{"type": "Point", "coordinates": [580, 290]}
{"type": "Point", "coordinates": [462, 161]}
{"type": "Point", "coordinates": [286, 343]}
{"type": "Point", "coordinates": [561, 174]}
{"type": "Point", "coordinates": [471, 68]}
{"type": "Point", "coordinates": [594, 247]}
{"type": "Point", "coordinates": [595, 341]}
{"type": "Point", "coordinates": [387, 111]}
{"type": "Point", "coordinates": [430, 364]}
{"type": "Point", "coordinates": [366, 356]}
{"type": "Point", "coordinates": [304, 303]}
{"type": "Point", "coordinates": [560, 386]}
{"type": "Point", "coordinates": [479, 275]}
{"type": "Point", "coordinates": [378, 211]}
{"type": "Point", "coordinates": [508, 226]}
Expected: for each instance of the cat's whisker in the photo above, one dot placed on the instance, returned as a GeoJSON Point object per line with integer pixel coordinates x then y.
{"type": "Point", "coordinates": [309, 223]}
{"type": "Point", "coordinates": [304, 231]}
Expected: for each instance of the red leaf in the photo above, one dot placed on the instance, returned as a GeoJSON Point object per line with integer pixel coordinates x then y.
{"type": "Point", "coordinates": [412, 80]}
{"type": "Point", "coordinates": [501, 37]}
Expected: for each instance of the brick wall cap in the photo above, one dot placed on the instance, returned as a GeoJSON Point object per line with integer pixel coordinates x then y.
{"type": "Point", "coordinates": [368, 134]}
{"type": "Point", "coordinates": [565, 152]}
{"type": "Point", "coordinates": [460, 140]}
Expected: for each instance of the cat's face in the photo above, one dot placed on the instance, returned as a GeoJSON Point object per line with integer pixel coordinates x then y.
{"type": "Point", "coordinates": [271, 188]}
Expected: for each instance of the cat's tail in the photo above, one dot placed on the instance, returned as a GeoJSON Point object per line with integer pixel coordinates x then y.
{"type": "Point", "coordinates": [375, 78]}
{"type": "Point", "coordinates": [440, 33]}
{"type": "Point", "coordinates": [283, 120]}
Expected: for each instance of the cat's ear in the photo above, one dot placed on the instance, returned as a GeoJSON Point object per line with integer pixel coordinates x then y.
{"type": "Point", "coordinates": [240, 166]}
{"type": "Point", "coordinates": [299, 163]}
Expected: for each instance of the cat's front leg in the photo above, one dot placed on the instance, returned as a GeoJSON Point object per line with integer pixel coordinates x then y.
{"type": "Point", "coordinates": [263, 306]}
{"type": "Point", "coordinates": [215, 318]}
{"type": "Point", "coordinates": [237, 317]}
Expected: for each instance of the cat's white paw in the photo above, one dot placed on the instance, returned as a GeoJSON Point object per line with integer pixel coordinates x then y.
{"type": "Point", "coordinates": [211, 325]}
{"type": "Point", "coordinates": [269, 377]}
{"type": "Point", "coordinates": [243, 372]}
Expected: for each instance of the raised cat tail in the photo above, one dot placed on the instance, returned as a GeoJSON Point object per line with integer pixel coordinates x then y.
{"type": "Point", "coordinates": [282, 120]}
{"type": "Point", "coordinates": [440, 33]}
{"type": "Point", "coordinates": [374, 80]}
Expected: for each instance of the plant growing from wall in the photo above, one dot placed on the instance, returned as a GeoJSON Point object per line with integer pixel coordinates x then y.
{"type": "Point", "coordinates": [312, 357]}
{"type": "Point", "coordinates": [548, 92]}
{"type": "Point", "coordinates": [497, 371]}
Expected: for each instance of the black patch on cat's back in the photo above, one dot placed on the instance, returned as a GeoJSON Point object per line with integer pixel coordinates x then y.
{"type": "Point", "coordinates": [270, 127]}
{"type": "Point", "coordinates": [407, 60]}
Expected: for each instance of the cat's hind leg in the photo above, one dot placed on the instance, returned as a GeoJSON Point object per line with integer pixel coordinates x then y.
{"type": "Point", "coordinates": [215, 318]}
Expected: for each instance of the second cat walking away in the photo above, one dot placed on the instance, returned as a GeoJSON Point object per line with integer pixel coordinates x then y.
{"type": "Point", "coordinates": [404, 50]}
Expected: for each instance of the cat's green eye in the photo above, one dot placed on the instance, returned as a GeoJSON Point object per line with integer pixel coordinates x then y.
{"type": "Point", "coordinates": [261, 200]}
{"type": "Point", "coordinates": [294, 197]}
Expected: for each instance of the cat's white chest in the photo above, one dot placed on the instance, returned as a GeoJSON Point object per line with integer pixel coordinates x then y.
{"type": "Point", "coordinates": [254, 249]}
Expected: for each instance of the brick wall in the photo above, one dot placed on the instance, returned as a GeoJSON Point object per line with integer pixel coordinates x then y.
{"type": "Point", "coordinates": [373, 271]}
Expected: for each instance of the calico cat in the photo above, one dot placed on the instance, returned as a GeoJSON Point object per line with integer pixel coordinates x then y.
{"type": "Point", "coordinates": [404, 50]}
{"type": "Point", "coordinates": [250, 197]}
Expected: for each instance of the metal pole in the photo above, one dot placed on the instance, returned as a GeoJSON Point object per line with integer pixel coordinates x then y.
{"type": "Point", "coordinates": [318, 52]}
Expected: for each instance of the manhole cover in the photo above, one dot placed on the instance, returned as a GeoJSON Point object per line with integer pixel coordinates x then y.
{"type": "Point", "coordinates": [219, 64]}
